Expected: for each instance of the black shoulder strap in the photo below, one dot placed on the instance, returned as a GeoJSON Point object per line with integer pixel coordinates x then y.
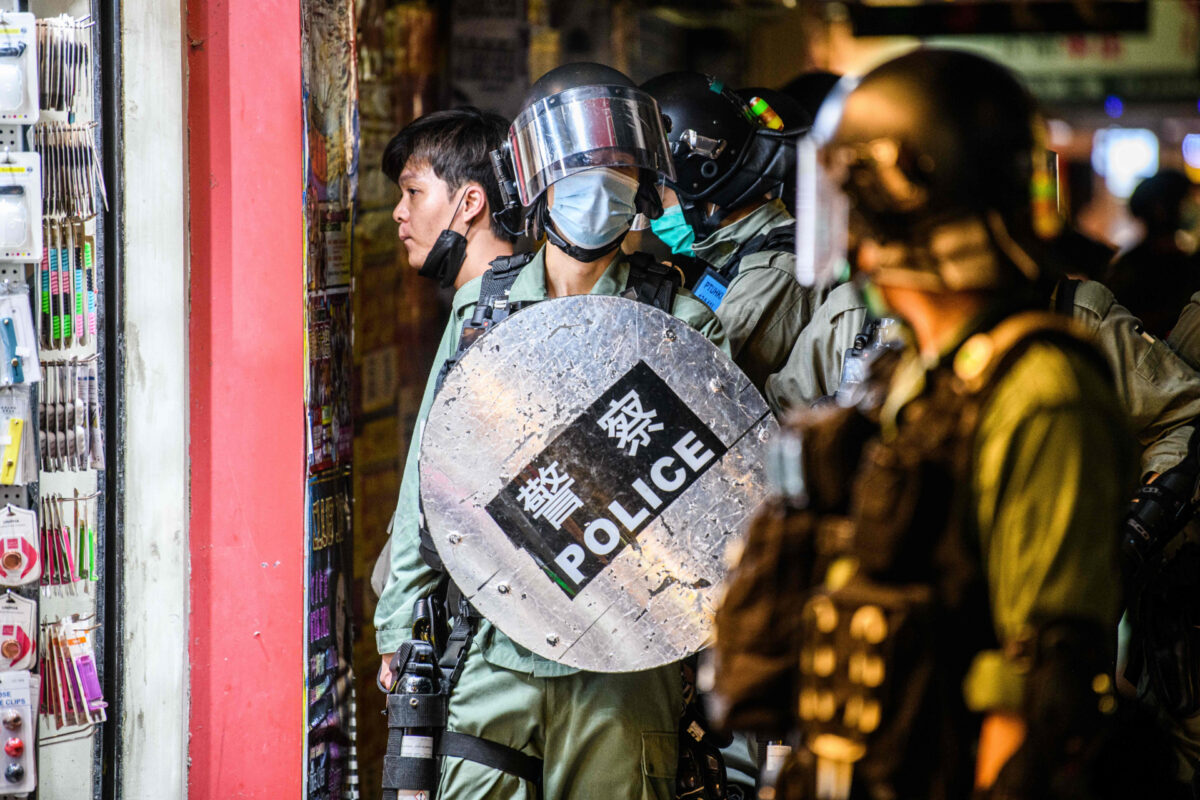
{"type": "Point", "coordinates": [501, 275]}
{"type": "Point", "coordinates": [782, 239]}
{"type": "Point", "coordinates": [651, 282]}
{"type": "Point", "coordinates": [1064, 296]}
{"type": "Point", "coordinates": [778, 239]}
{"type": "Point", "coordinates": [492, 306]}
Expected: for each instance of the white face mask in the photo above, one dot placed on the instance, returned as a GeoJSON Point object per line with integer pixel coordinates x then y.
{"type": "Point", "coordinates": [592, 208]}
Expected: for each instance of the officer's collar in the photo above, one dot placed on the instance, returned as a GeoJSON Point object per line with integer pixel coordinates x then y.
{"type": "Point", "coordinates": [911, 377]}
{"type": "Point", "coordinates": [722, 243]}
{"type": "Point", "coordinates": [530, 285]}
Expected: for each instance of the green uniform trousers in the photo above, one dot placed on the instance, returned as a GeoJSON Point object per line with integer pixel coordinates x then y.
{"type": "Point", "coordinates": [610, 736]}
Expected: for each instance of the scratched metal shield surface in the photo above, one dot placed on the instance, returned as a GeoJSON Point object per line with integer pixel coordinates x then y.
{"type": "Point", "coordinates": [509, 397]}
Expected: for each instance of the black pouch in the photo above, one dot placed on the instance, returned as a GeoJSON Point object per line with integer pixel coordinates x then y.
{"type": "Point", "coordinates": [754, 657]}
{"type": "Point", "coordinates": [867, 667]}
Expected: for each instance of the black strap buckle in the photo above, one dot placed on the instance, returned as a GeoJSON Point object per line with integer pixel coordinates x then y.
{"type": "Point", "coordinates": [492, 754]}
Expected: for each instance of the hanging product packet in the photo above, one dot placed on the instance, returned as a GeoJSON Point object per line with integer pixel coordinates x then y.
{"type": "Point", "coordinates": [20, 555]}
{"type": "Point", "coordinates": [18, 339]}
{"type": "Point", "coordinates": [83, 661]}
{"type": "Point", "coordinates": [73, 695]}
{"type": "Point", "coordinates": [18, 623]}
{"type": "Point", "coordinates": [18, 68]}
{"type": "Point", "coordinates": [83, 433]}
{"type": "Point", "coordinates": [60, 701]}
{"type": "Point", "coordinates": [96, 453]}
{"type": "Point", "coordinates": [59, 546]}
{"type": "Point", "coordinates": [19, 690]}
{"type": "Point", "coordinates": [47, 418]}
{"type": "Point", "coordinates": [18, 464]}
{"type": "Point", "coordinates": [21, 207]}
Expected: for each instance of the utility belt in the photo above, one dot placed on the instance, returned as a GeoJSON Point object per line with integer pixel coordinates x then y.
{"type": "Point", "coordinates": [425, 671]}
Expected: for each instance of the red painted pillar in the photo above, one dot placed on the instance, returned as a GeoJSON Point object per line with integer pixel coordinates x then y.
{"type": "Point", "coordinates": [246, 628]}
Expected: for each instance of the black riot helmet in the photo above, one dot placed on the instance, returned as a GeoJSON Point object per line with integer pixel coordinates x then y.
{"type": "Point", "coordinates": [809, 89]}
{"type": "Point", "coordinates": [723, 155]}
{"type": "Point", "coordinates": [579, 117]}
{"type": "Point", "coordinates": [941, 155]}
{"type": "Point", "coordinates": [795, 120]}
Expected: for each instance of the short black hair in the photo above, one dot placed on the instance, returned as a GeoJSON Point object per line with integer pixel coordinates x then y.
{"type": "Point", "coordinates": [455, 144]}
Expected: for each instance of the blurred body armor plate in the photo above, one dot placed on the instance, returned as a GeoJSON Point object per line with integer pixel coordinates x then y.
{"type": "Point", "coordinates": [583, 469]}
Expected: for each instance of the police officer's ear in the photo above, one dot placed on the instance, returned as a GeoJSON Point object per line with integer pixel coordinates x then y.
{"type": "Point", "coordinates": [474, 204]}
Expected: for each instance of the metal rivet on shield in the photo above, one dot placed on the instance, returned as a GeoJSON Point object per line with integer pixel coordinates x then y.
{"type": "Point", "coordinates": [552, 639]}
{"type": "Point", "coordinates": [763, 434]}
{"type": "Point", "coordinates": [454, 538]}
{"type": "Point", "coordinates": [503, 588]}
{"type": "Point", "coordinates": [714, 386]}
{"type": "Point", "coordinates": [414, 702]}
{"type": "Point", "coordinates": [669, 334]}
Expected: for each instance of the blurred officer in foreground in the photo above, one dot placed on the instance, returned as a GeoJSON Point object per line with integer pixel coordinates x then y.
{"type": "Point", "coordinates": [953, 551]}
{"type": "Point", "coordinates": [585, 156]}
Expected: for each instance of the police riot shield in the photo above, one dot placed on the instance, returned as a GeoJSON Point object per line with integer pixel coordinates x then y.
{"type": "Point", "coordinates": [583, 470]}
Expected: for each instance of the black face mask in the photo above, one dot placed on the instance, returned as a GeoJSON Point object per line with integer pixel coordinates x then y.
{"type": "Point", "coordinates": [446, 256]}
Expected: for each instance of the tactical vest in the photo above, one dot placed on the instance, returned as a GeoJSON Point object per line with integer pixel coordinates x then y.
{"type": "Point", "coordinates": [648, 282]}
{"type": "Point", "coordinates": [883, 653]}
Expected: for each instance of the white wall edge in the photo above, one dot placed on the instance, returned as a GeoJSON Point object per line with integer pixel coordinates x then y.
{"type": "Point", "coordinates": [153, 734]}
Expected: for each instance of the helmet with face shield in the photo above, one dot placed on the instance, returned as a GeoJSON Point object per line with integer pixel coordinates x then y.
{"type": "Point", "coordinates": [936, 161]}
{"type": "Point", "coordinates": [576, 118]}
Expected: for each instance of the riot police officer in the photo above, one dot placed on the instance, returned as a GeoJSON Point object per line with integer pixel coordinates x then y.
{"type": "Point", "coordinates": [723, 207]}
{"type": "Point", "coordinates": [585, 155]}
{"type": "Point", "coordinates": [951, 539]}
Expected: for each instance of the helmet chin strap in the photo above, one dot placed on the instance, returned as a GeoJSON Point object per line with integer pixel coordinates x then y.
{"type": "Point", "coordinates": [581, 254]}
{"type": "Point", "coordinates": [700, 220]}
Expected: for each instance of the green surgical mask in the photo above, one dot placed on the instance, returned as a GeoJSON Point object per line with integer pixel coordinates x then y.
{"type": "Point", "coordinates": [674, 231]}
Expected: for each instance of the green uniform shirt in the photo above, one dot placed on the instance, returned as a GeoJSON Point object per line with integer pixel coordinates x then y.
{"type": "Point", "coordinates": [765, 308]}
{"type": "Point", "coordinates": [814, 367]}
{"type": "Point", "coordinates": [411, 578]}
{"type": "Point", "coordinates": [1160, 392]}
{"type": "Point", "coordinates": [1185, 336]}
{"type": "Point", "coordinates": [1050, 474]}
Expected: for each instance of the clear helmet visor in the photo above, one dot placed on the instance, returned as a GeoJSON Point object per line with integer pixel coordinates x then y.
{"type": "Point", "coordinates": [585, 128]}
{"type": "Point", "coordinates": [822, 219]}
